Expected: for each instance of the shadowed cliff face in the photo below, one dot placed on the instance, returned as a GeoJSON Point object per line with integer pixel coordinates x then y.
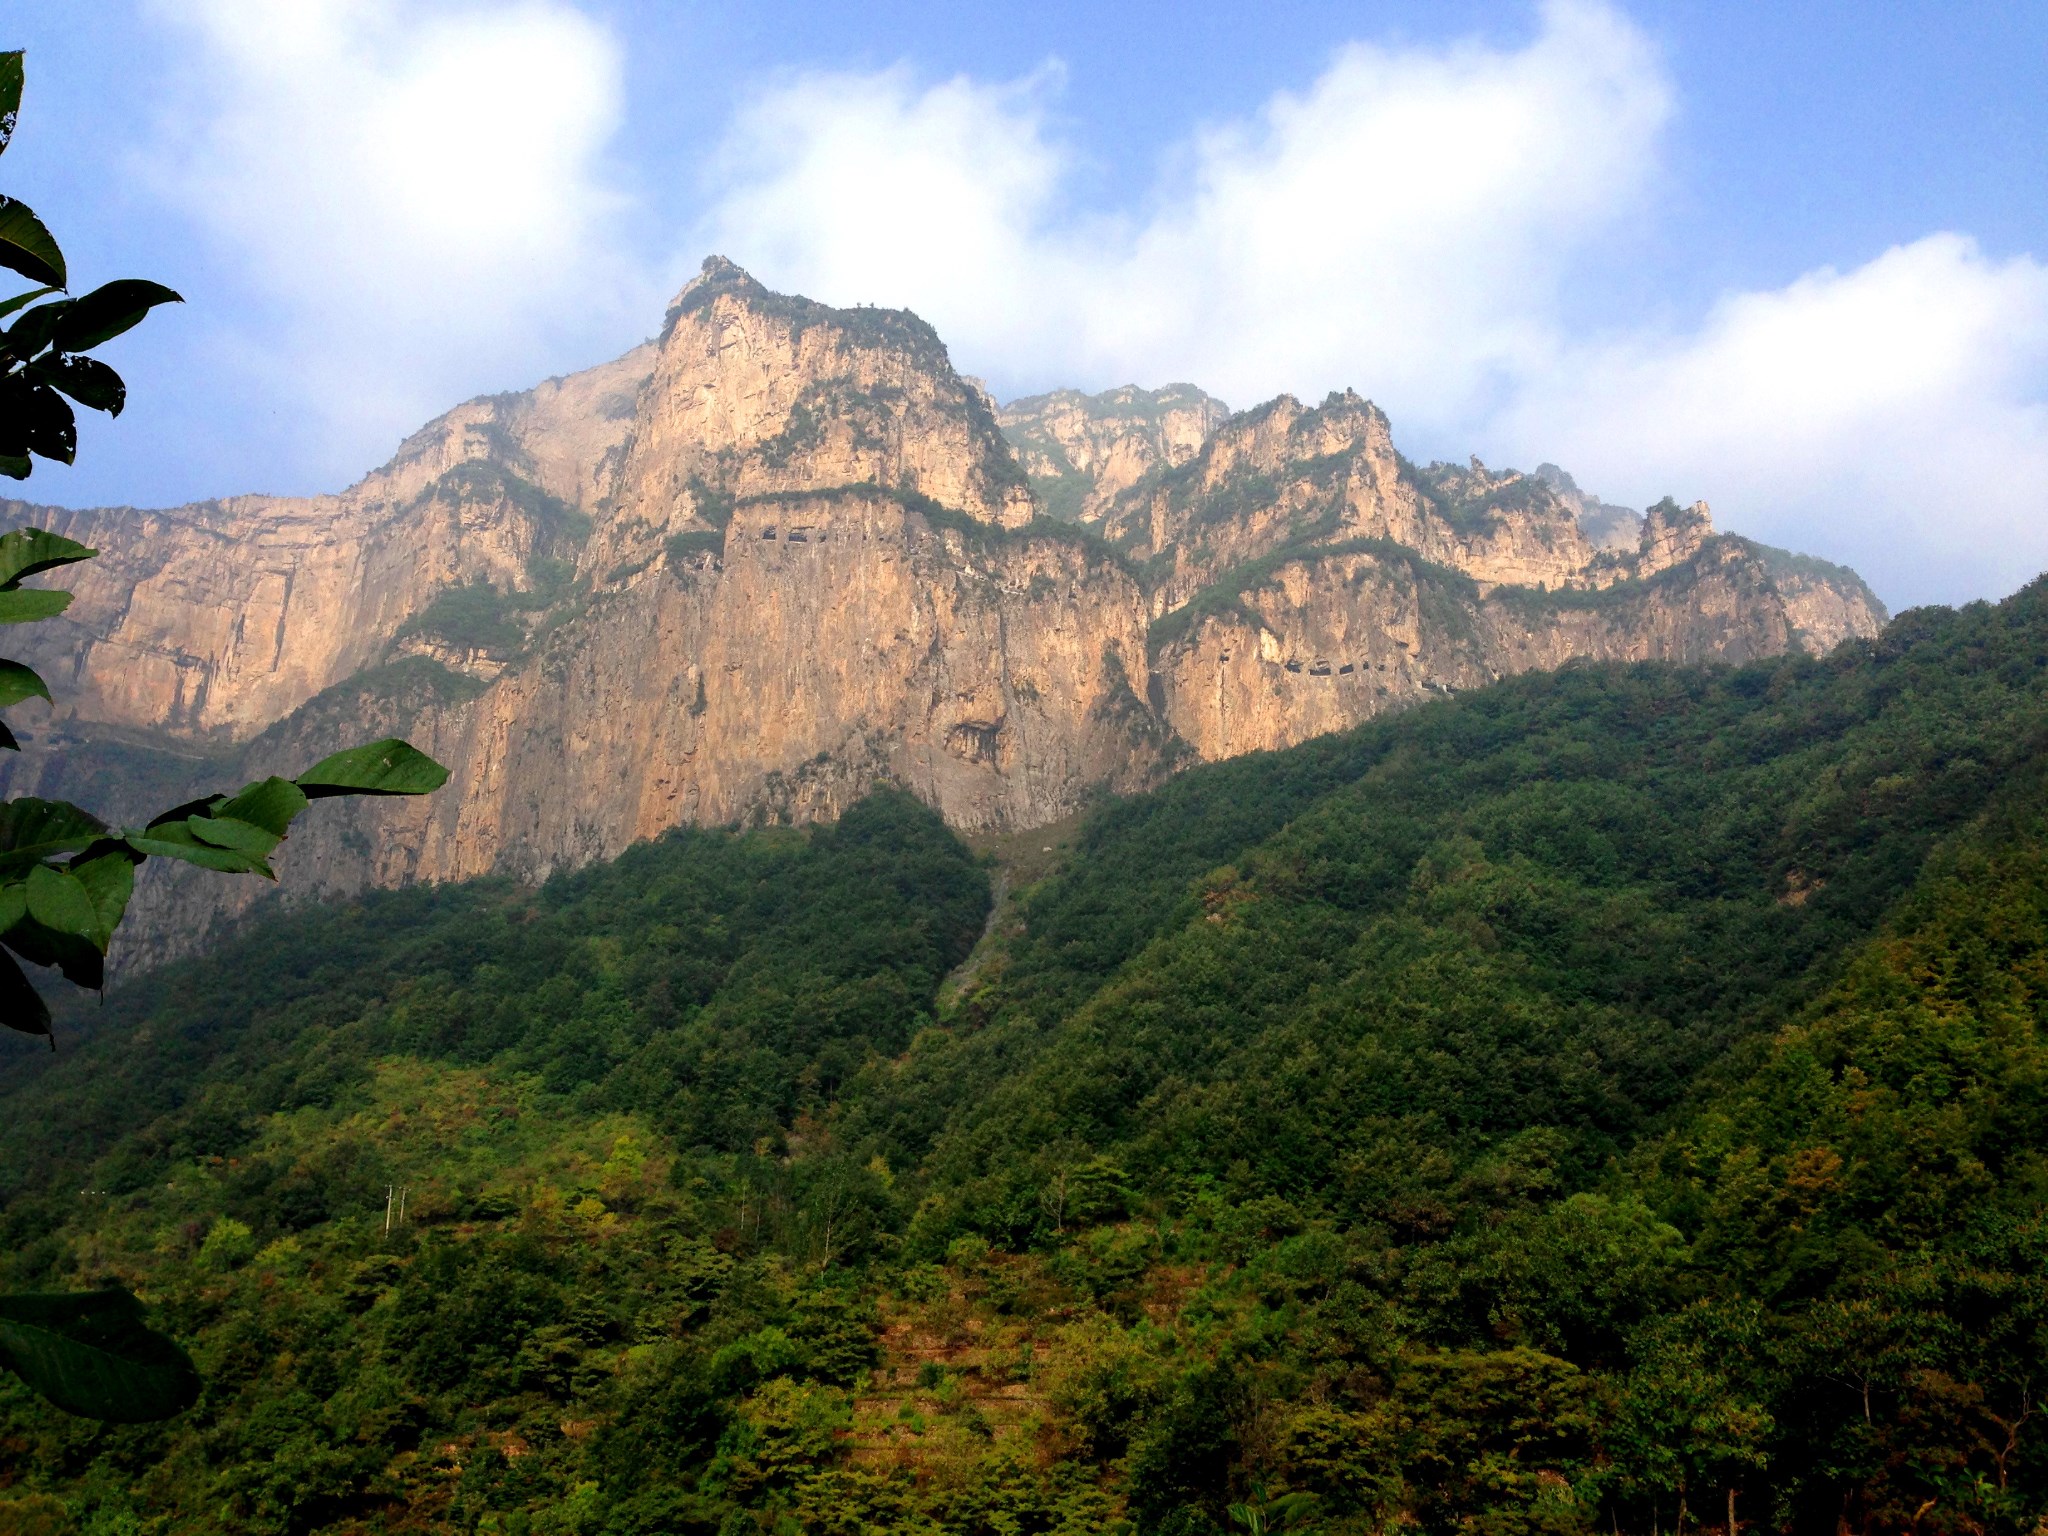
{"type": "Point", "coordinates": [784, 552]}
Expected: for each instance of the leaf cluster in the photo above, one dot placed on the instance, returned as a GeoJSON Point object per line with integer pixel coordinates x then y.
{"type": "Point", "coordinates": [66, 877]}
{"type": "Point", "coordinates": [43, 367]}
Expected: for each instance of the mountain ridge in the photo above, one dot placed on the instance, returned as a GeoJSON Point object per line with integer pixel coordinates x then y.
{"type": "Point", "coordinates": [784, 552]}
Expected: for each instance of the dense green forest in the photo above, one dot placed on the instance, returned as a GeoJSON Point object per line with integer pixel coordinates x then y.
{"type": "Point", "coordinates": [1613, 1101]}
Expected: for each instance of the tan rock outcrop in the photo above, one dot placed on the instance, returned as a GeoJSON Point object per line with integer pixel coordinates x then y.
{"type": "Point", "coordinates": [1330, 638]}
{"type": "Point", "coordinates": [835, 640]}
{"type": "Point", "coordinates": [1284, 475]}
{"type": "Point", "coordinates": [1081, 451]}
{"type": "Point", "coordinates": [755, 392]}
{"type": "Point", "coordinates": [214, 620]}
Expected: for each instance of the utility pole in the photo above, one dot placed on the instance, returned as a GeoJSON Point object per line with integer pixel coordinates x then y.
{"type": "Point", "coordinates": [387, 1209]}
{"type": "Point", "coordinates": [401, 1204]}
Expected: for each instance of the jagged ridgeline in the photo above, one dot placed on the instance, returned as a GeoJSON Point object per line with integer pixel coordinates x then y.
{"type": "Point", "coordinates": [785, 552]}
{"type": "Point", "coordinates": [1599, 1102]}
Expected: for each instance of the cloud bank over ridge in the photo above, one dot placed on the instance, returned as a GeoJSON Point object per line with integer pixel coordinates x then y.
{"type": "Point", "coordinates": [1406, 220]}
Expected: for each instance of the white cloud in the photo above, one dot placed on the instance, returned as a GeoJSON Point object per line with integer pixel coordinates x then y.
{"type": "Point", "coordinates": [416, 193]}
{"type": "Point", "coordinates": [1893, 417]}
{"type": "Point", "coordinates": [864, 188]}
{"type": "Point", "coordinates": [1406, 225]}
{"type": "Point", "coordinates": [1407, 218]}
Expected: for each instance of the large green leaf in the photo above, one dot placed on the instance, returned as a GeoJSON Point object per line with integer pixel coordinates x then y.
{"type": "Point", "coordinates": [109, 880]}
{"type": "Point", "coordinates": [59, 901]}
{"type": "Point", "coordinates": [22, 300]}
{"type": "Point", "coordinates": [173, 841]}
{"type": "Point", "coordinates": [62, 927]}
{"type": "Point", "coordinates": [27, 247]}
{"type": "Point", "coordinates": [391, 767]}
{"type": "Point", "coordinates": [178, 814]}
{"type": "Point", "coordinates": [52, 425]}
{"type": "Point", "coordinates": [32, 332]}
{"type": "Point", "coordinates": [10, 93]}
{"type": "Point", "coordinates": [21, 1006]}
{"type": "Point", "coordinates": [270, 804]}
{"type": "Point", "coordinates": [18, 682]}
{"type": "Point", "coordinates": [238, 836]}
{"type": "Point", "coordinates": [91, 1354]}
{"type": "Point", "coordinates": [25, 605]}
{"type": "Point", "coordinates": [30, 551]}
{"type": "Point", "coordinates": [87, 380]}
{"type": "Point", "coordinates": [109, 310]}
{"type": "Point", "coordinates": [32, 830]}
{"type": "Point", "coordinates": [82, 961]}
{"type": "Point", "coordinates": [14, 393]}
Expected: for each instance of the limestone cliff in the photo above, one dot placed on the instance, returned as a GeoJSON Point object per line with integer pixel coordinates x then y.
{"type": "Point", "coordinates": [1332, 635]}
{"type": "Point", "coordinates": [784, 552]}
{"type": "Point", "coordinates": [1284, 476]}
{"type": "Point", "coordinates": [211, 621]}
{"type": "Point", "coordinates": [755, 392]}
{"type": "Point", "coordinates": [1081, 451]}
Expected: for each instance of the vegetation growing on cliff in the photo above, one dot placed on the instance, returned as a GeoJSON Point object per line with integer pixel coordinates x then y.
{"type": "Point", "coordinates": [1061, 486]}
{"type": "Point", "coordinates": [561, 528]}
{"type": "Point", "coordinates": [1470, 499]}
{"type": "Point", "coordinates": [472, 616]}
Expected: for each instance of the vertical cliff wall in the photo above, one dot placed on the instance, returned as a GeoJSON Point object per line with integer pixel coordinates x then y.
{"type": "Point", "coordinates": [1081, 451]}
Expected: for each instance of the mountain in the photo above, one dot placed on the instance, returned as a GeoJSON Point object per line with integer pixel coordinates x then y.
{"type": "Point", "coordinates": [1598, 1102]}
{"type": "Point", "coordinates": [783, 553]}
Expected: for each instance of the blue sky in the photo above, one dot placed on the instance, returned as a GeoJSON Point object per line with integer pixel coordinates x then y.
{"type": "Point", "coordinates": [1786, 257]}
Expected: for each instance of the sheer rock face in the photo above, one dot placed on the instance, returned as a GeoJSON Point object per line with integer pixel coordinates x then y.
{"type": "Point", "coordinates": [785, 552]}
{"type": "Point", "coordinates": [211, 621]}
{"type": "Point", "coordinates": [832, 641]}
{"type": "Point", "coordinates": [1082, 450]}
{"type": "Point", "coordinates": [755, 392]}
{"type": "Point", "coordinates": [829, 643]}
{"type": "Point", "coordinates": [1331, 638]}
{"type": "Point", "coordinates": [1284, 475]}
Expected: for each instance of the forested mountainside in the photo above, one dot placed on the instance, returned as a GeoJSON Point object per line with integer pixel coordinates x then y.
{"type": "Point", "coordinates": [783, 553]}
{"type": "Point", "coordinates": [1609, 1100]}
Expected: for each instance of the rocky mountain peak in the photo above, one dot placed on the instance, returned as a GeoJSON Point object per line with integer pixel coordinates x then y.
{"type": "Point", "coordinates": [1082, 450]}
{"type": "Point", "coordinates": [1673, 534]}
{"type": "Point", "coordinates": [714, 273]}
{"type": "Point", "coordinates": [756, 393]}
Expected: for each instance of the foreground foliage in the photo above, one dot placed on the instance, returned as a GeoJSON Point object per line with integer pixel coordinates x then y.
{"type": "Point", "coordinates": [66, 877]}
{"type": "Point", "coordinates": [1611, 1101]}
